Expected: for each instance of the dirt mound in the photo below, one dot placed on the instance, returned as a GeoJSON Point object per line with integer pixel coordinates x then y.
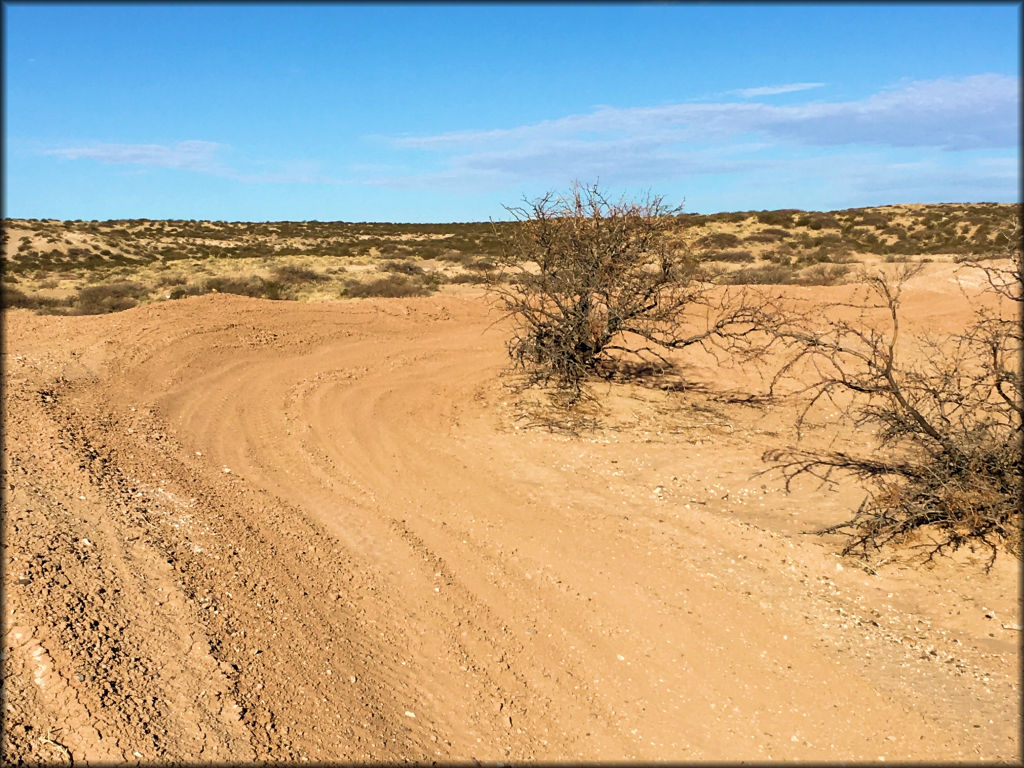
{"type": "Point", "coordinates": [239, 529]}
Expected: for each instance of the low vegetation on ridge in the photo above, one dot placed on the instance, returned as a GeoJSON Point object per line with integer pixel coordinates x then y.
{"type": "Point", "coordinates": [82, 267]}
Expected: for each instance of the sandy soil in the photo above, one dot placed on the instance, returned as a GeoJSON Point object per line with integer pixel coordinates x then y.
{"type": "Point", "coordinates": [239, 529]}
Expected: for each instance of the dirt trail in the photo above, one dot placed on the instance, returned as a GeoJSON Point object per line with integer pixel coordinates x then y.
{"type": "Point", "coordinates": [239, 529]}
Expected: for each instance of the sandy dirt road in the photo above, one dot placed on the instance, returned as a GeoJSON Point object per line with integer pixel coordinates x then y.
{"type": "Point", "coordinates": [238, 529]}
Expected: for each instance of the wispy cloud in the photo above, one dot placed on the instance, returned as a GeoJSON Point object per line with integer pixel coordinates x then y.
{"type": "Point", "coordinates": [196, 156]}
{"type": "Point", "coordinates": [772, 90]}
{"type": "Point", "coordinates": [961, 113]}
{"type": "Point", "coordinates": [645, 143]}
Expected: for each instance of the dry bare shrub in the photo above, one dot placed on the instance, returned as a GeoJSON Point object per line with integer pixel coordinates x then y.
{"type": "Point", "coordinates": [587, 281]}
{"type": "Point", "coordinates": [947, 471]}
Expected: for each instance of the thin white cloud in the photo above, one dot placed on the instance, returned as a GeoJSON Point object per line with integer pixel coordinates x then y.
{"type": "Point", "coordinates": [195, 156]}
{"type": "Point", "coordinates": [952, 113]}
{"type": "Point", "coordinates": [772, 90]}
{"type": "Point", "coordinates": [644, 144]}
{"type": "Point", "coordinates": [187, 155]}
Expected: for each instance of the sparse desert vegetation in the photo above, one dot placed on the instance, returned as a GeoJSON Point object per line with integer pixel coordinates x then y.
{"type": "Point", "coordinates": [592, 284]}
{"type": "Point", "coordinates": [335, 525]}
{"type": "Point", "coordinates": [50, 261]}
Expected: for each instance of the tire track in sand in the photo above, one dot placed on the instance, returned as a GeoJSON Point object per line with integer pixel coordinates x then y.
{"type": "Point", "coordinates": [382, 523]}
{"type": "Point", "coordinates": [502, 591]}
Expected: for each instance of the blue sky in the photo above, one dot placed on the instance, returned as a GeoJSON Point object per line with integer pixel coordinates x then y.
{"type": "Point", "coordinates": [438, 113]}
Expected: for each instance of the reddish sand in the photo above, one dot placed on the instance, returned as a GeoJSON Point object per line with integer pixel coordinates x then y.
{"type": "Point", "coordinates": [239, 529]}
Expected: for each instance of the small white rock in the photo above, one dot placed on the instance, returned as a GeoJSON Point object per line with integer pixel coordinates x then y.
{"type": "Point", "coordinates": [409, 714]}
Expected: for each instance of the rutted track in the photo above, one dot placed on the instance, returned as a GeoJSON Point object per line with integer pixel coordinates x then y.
{"type": "Point", "coordinates": [314, 532]}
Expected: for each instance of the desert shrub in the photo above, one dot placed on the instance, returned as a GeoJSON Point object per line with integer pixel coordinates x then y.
{"type": "Point", "coordinates": [482, 265]}
{"type": "Point", "coordinates": [468, 277]}
{"type": "Point", "coordinates": [15, 297]}
{"type": "Point", "coordinates": [780, 256]}
{"type": "Point", "coordinates": [823, 274]}
{"type": "Point", "coordinates": [768, 274]}
{"type": "Point", "coordinates": [872, 219]}
{"type": "Point", "coordinates": [182, 291]}
{"type": "Point", "coordinates": [108, 297]}
{"type": "Point", "coordinates": [251, 285]}
{"type": "Point", "coordinates": [429, 250]}
{"type": "Point", "coordinates": [403, 268]}
{"type": "Point", "coordinates": [845, 256]}
{"type": "Point", "coordinates": [162, 281]}
{"type": "Point", "coordinates": [728, 217]}
{"type": "Point", "coordinates": [948, 470]}
{"type": "Point", "coordinates": [735, 256]}
{"type": "Point", "coordinates": [292, 274]}
{"type": "Point", "coordinates": [390, 286]}
{"type": "Point", "coordinates": [813, 256]}
{"type": "Point", "coordinates": [602, 270]}
{"type": "Point", "coordinates": [719, 240]}
{"type": "Point", "coordinates": [780, 218]}
{"type": "Point", "coordinates": [761, 237]}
